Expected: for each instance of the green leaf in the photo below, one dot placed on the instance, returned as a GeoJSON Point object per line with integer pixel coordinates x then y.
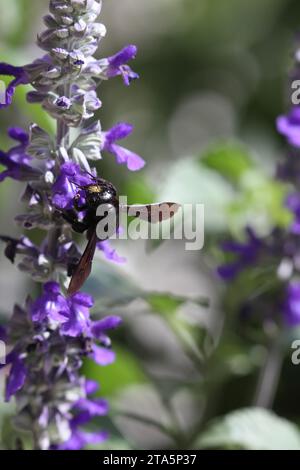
{"type": "Point", "coordinates": [262, 199]}
{"type": "Point", "coordinates": [252, 429]}
{"type": "Point", "coordinates": [230, 160]}
{"type": "Point", "coordinates": [112, 444]}
{"type": "Point", "coordinates": [194, 338]}
{"type": "Point", "coordinates": [125, 371]}
{"type": "Point", "coordinates": [110, 287]}
{"type": "Point", "coordinates": [165, 303]}
{"type": "Point", "coordinates": [138, 191]}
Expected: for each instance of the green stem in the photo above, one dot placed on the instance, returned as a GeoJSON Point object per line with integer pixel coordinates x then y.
{"type": "Point", "coordinates": [269, 375]}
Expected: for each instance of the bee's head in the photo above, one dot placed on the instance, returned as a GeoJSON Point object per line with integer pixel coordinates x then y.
{"type": "Point", "coordinates": [100, 192]}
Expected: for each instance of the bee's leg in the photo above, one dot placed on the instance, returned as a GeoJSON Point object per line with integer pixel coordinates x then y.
{"type": "Point", "coordinates": [78, 207]}
{"type": "Point", "coordinates": [71, 216]}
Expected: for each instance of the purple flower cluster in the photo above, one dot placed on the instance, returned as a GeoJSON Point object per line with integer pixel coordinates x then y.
{"type": "Point", "coordinates": [20, 78]}
{"type": "Point", "coordinates": [123, 156]}
{"type": "Point", "coordinates": [16, 160]}
{"type": "Point", "coordinates": [277, 254]}
{"type": "Point", "coordinates": [52, 335]}
{"type": "Point", "coordinates": [289, 126]}
{"type": "Point", "coordinates": [245, 254]}
{"type": "Point", "coordinates": [50, 338]}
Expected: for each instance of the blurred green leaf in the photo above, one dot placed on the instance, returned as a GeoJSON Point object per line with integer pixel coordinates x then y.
{"type": "Point", "coordinates": [261, 199]}
{"type": "Point", "coordinates": [110, 287]}
{"type": "Point", "coordinates": [253, 429]}
{"type": "Point", "coordinates": [112, 444]}
{"type": "Point", "coordinates": [138, 191]}
{"type": "Point", "coordinates": [10, 436]}
{"type": "Point", "coordinates": [125, 371]}
{"type": "Point", "coordinates": [194, 338]}
{"type": "Point", "coordinates": [230, 160]}
{"type": "Point", "coordinates": [252, 283]}
{"type": "Point", "coordinates": [165, 303]}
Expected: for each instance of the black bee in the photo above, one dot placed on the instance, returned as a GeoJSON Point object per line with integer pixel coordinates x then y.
{"type": "Point", "coordinates": [103, 193]}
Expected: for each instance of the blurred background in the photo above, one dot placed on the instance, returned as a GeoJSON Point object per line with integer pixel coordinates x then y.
{"type": "Point", "coordinates": [213, 80]}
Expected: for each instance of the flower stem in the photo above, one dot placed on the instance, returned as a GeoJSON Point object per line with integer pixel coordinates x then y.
{"type": "Point", "coordinates": [62, 134]}
{"type": "Point", "coordinates": [269, 375]}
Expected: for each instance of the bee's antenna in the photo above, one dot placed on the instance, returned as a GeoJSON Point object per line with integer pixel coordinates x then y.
{"type": "Point", "coordinates": [80, 186]}
{"type": "Point", "coordinates": [90, 174]}
{"type": "Point", "coordinates": [76, 184]}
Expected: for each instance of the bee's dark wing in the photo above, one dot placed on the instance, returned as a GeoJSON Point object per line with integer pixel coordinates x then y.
{"type": "Point", "coordinates": [153, 213]}
{"type": "Point", "coordinates": [84, 267]}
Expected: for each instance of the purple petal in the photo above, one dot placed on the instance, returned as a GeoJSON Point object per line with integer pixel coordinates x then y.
{"type": "Point", "coordinates": [229, 271]}
{"type": "Point", "coordinates": [123, 56]}
{"type": "Point", "coordinates": [102, 356]}
{"type": "Point", "coordinates": [80, 439]}
{"type": "Point", "coordinates": [66, 185]}
{"type": "Point", "coordinates": [11, 70]}
{"type": "Point", "coordinates": [79, 316]}
{"type": "Point", "coordinates": [117, 64]}
{"type": "Point", "coordinates": [63, 102]}
{"type": "Point", "coordinates": [292, 304]}
{"type": "Point", "coordinates": [91, 386]}
{"type": "Point", "coordinates": [289, 126]}
{"type": "Point", "coordinates": [110, 253]}
{"type": "Point", "coordinates": [36, 97]}
{"type": "Point", "coordinates": [63, 192]}
{"type": "Point", "coordinates": [51, 304]}
{"type": "Point", "coordinates": [128, 75]}
{"type": "Point", "coordinates": [52, 288]}
{"type": "Point", "coordinates": [17, 133]}
{"type": "Point", "coordinates": [80, 298]}
{"type": "Point", "coordinates": [118, 132]}
{"type": "Point", "coordinates": [3, 333]}
{"type": "Point", "coordinates": [295, 228]}
{"type": "Point", "coordinates": [95, 407]}
{"type": "Point", "coordinates": [16, 378]}
{"type": "Point", "coordinates": [105, 324]}
{"type": "Point", "coordinates": [125, 157]}
{"type": "Point", "coordinates": [20, 78]}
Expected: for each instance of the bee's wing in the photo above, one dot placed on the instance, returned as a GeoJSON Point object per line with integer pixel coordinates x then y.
{"type": "Point", "coordinates": [153, 213]}
{"type": "Point", "coordinates": [84, 267]}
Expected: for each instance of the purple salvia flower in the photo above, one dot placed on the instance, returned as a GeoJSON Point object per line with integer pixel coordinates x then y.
{"type": "Point", "coordinates": [80, 439]}
{"type": "Point", "coordinates": [117, 64]}
{"type": "Point", "coordinates": [102, 356]}
{"type": "Point", "coordinates": [51, 305]}
{"type": "Point", "coordinates": [276, 256]}
{"type": "Point", "coordinates": [289, 126]}
{"type": "Point", "coordinates": [91, 408]}
{"type": "Point", "coordinates": [110, 253]}
{"type": "Point", "coordinates": [98, 329]}
{"type": "Point", "coordinates": [63, 102]}
{"type": "Point", "coordinates": [65, 187]}
{"type": "Point", "coordinates": [292, 304]}
{"type": "Point", "coordinates": [21, 78]}
{"type": "Point", "coordinates": [78, 318]}
{"type": "Point", "coordinates": [123, 156]}
{"type": "Point", "coordinates": [293, 204]}
{"type": "Point", "coordinates": [105, 324]}
{"type": "Point", "coordinates": [245, 255]}
{"type": "Point", "coordinates": [17, 375]}
{"type": "Point", "coordinates": [91, 387]}
{"type": "Point", "coordinates": [16, 160]}
{"type": "Point", "coordinates": [51, 335]}
{"type": "Point", "coordinates": [16, 246]}
{"type": "Point", "coordinates": [3, 333]}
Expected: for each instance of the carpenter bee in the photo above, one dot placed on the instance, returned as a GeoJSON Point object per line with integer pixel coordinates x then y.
{"type": "Point", "coordinates": [102, 194]}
